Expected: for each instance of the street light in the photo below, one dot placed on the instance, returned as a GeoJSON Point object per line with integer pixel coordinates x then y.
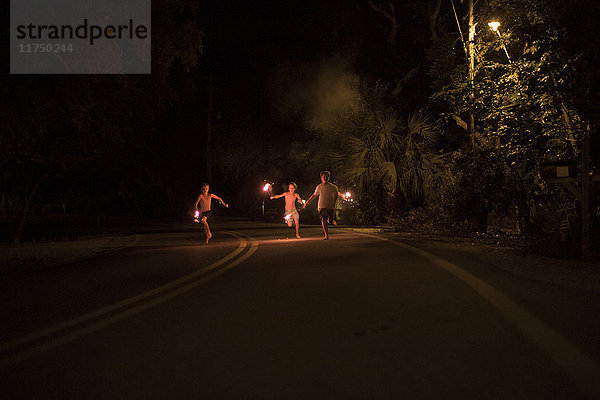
{"type": "Point", "coordinates": [494, 25]}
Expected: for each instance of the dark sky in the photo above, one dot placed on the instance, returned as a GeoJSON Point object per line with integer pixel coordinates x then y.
{"type": "Point", "coordinates": [250, 44]}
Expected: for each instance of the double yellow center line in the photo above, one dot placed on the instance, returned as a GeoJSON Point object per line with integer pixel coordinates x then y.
{"type": "Point", "coordinates": [38, 342]}
{"type": "Point", "coordinates": [584, 371]}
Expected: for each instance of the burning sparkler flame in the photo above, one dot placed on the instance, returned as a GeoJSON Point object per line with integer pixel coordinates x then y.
{"type": "Point", "coordinates": [197, 216]}
{"type": "Point", "coordinates": [267, 187]}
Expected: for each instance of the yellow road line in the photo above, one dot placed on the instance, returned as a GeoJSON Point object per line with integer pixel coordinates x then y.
{"type": "Point", "coordinates": [95, 314]}
{"type": "Point", "coordinates": [581, 368]}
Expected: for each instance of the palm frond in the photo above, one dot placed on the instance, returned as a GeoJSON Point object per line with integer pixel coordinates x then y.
{"type": "Point", "coordinates": [387, 129]}
{"type": "Point", "coordinates": [421, 126]}
{"type": "Point", "coordinates": [389, 175]}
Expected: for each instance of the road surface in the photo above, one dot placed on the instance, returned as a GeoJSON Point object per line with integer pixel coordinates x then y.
{"type": "Point", "coordinates": [259, 314]}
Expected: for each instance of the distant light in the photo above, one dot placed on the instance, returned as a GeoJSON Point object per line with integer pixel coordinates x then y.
{"type": "Point", "coordinates": [494, 25]}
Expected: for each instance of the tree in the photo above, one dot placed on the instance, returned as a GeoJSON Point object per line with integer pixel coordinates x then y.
{"type": "Point", "coordinates": [394, 165]}
{"type": "Point", "coordinates": [526, 109]}
{"type": "Point", "coordinates": [410, 28]}
{"type": "Point", "coordinates": [62, 123]}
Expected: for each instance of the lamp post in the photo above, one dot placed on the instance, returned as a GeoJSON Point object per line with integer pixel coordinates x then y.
{"type": "Point", "coordinates": [469, 48]}
{"type": "Point", "coordinates": [494, 25]}
{"type": "Point", "coordinates": [471, 74]}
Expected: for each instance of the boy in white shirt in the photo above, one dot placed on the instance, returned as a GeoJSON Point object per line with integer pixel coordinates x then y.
{"type": "Point", "coordinates": [328, 194]}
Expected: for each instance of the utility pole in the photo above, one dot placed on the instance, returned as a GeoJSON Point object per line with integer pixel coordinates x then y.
{"type": "Point", "coordinates": [560, 173]}
{"type": "Point", "coordinates": [209, 129]}
{"type": "Point", "coordinates": [471, 73]}
{"type": "Point", "coordinates": [585, 196]}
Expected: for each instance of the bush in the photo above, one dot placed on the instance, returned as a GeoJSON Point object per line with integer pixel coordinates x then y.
{"type": "Point", "coordinates": [483, 185]}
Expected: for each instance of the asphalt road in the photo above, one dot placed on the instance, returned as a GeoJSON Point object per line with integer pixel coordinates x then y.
{"type": "Point", "coordinates": [256, 314]}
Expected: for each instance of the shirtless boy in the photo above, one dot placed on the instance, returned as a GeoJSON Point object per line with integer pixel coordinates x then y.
{"type": "Point", "coordinates": [205, 199]}
{"type": "Point", "coordinates": [290, 206]}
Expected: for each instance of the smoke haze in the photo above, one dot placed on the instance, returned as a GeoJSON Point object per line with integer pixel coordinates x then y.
{"type": "Point", "coordinates": [318, 92]}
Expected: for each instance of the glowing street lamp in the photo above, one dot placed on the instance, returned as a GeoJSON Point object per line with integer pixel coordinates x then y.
{"type": "Point", "coordinates": [494, 25]}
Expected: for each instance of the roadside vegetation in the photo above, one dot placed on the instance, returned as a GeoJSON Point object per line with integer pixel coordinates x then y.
{"type": "Point", "coordinates": [396, 132]}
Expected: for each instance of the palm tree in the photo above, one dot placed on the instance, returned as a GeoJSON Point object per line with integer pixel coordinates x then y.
{"type": "Point", "coordinates": [383, 158]}
{"type": "Point", "coordinates": [367, 160]}
{"type": "Point", "coordinates": [423, 170]}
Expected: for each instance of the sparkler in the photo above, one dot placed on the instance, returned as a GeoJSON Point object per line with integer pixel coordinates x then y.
{"type": "Point", "coordinates": [197, 217]}
{"type": "Point", "coordinates": [267, 189]}
{"type": "Point", "coordinates": [288, 220]}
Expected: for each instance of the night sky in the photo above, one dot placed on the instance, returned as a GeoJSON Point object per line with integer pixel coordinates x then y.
{"type": "Point", "coordinates": [249, 46]}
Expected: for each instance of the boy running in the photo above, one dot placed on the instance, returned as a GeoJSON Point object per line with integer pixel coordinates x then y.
{"type": "Point", "coordinates": [328, 194]}
{"type": "Point", "coordinates": [291, 214]}
{"type": "Point", "coordinates": [205, 200]}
